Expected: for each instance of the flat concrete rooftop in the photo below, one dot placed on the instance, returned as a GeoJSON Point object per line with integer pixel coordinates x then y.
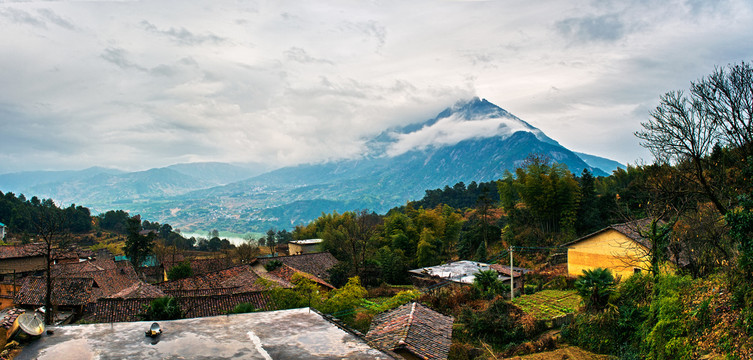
{"type": "Point", "coordinates": [463, 271]}
{"type": "Point", "coordinates": [285, 334]}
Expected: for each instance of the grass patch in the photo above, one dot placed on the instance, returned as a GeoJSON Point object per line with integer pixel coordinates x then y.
{"type": "Point", "coordinates": [549, 304]}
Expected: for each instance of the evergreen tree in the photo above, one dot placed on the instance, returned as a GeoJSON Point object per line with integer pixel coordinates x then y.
{"type": "Point", "coordinates": [137, 247]}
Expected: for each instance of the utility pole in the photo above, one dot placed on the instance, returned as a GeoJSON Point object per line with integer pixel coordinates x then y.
{"type": "Point", "coordinates": [512, 278]}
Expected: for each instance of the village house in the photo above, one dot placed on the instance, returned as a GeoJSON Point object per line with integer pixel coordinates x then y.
{"type": "Point", "coordinates": [236, 279]}
{"type": "Point", "coordinates": [17, 262]}
{"type": "Point", "coordinates": [199, 266]}
{"type": "Point", "coordinates": [287, 273]}
{"type": "Point", "coordinates": [317, 264]}
{"type": "Point", "coordinates": [412, 331]}
{"type": "Point", "coordinates": [2, 231]}
{"type": "Point", "coordinates": [307, 246]}
{"type": "Point", "coordinates": [77, 286]}
{"type": "Point", "coordinates": [464, 272]}
{"type": "Point", "coordinates": [620, 248]}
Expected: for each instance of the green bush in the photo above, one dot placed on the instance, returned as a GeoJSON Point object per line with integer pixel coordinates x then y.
{"type": "Point", "coordinates": [500, 324]}
{"type": "Point", "coordinates": [668, 326]}
{"type": "Point", "coordinates": [595, 286]}
{"type": "Point", "coordinates": [272, 265]}
{"type": "Point", "coordinates": [163, 308]}
{"type": "Point", "coordinates": [243, 308]}
{"type": "Point", "coordinates": [180, 271]}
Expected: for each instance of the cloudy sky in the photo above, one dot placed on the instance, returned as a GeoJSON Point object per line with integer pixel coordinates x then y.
{"type": "Point", "coordinates": [135, 85]}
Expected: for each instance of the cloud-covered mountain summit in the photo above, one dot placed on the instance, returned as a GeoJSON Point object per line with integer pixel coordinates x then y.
{"type": "Point", "coordinates": [473, 140]}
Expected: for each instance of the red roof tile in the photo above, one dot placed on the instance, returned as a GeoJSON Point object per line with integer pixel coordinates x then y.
{"type": "Point", "coordinates": [415, 328]}
{"type": "Point", "coordinates": [109, 277]}
{"type": "Point", "coordinates": [18, 251]}
{"type": "Point", "coordinates": [286, 273]}
{"type": "Point", "coordinates": [122, 310]}
{"type": "Point", "coordinates": [65, 291]}
{"type": "Point", "coordinates": [315, 264]}
{"type": "Point", "coordinates": [242, 277]}
{"type": "Point", "coordinates": [138, 290]}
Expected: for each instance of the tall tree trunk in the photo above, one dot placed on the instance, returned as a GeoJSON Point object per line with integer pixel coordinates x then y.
{"type": "Point", "coordinates": [707, 188]}
{"type": "Point", "coordinates": [48, 292]}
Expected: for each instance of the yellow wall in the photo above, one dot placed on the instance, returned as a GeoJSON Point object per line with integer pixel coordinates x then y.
{"type": "Point", "coordinates": [609, 249]}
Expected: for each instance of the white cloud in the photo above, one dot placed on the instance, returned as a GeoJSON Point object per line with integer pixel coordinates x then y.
{"type": "Point", "coordinates": [142, 84]}
{"type": "Point", "coordinates": [454, 129]}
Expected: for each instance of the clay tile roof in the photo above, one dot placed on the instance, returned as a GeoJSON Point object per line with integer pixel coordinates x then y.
{"type": "Point", "coordinates": [109, 277]}
{"type": "Point", "coordinates": [19, 251]}
{"type": "Point", "coordinates": [65, 291]}
{"type": "Point", "coordinates": [72, 252]}
{"type": "Point", "coordinates": [242, 277]}
{"type": "Point", "coordinates": [139, 290]}
{"type": "Point", "coordinates": [200, 266]}
{"type": "Point", "coordinates": [86, 266]}
{"type": "Point", "coordinates": [415, 328]}
{"type": "Point", "coordinates": [203, 266]}
{"type": "Point", "coordinates": [203, 292]}
{"type": "Point", "coordinates": [631, 229]}
{"type": "Point", "coordinates": [286, 273]}
{"type": "Point", "coordinates": [122, 310]}
{"type": "Point", "coordinates": [315, 264]}
{"type": "Point", "coordinates": [505, 269]}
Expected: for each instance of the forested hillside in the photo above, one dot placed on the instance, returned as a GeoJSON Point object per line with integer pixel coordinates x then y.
{"type": "Point", "coordinates": [696, 297]}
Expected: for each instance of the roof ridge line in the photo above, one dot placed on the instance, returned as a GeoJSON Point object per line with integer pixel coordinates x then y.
{"type": "Point", "coordinates": [408, 325]}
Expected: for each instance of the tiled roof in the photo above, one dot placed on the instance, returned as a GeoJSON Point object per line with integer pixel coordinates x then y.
{"type": "Point", "coordinates": [505, 269]}
{"type": "Point", "coordinates": [39, 249]}
{"type": "Point", "coordinates": [315, 264]}
{"type": "Point", "coordinates": [413, 327]}
{"type": "Point", "coordinates": [79, 283]}
{"type": "Point", "coordinates": [241, 276]}
{"type": "Point", "coordinates": [18, 251]}
{"type": "Point", "coordinates": [122, 310]}
{"type": "Point", "coordinates": [203, 266]}
{"type": "Point", "coordinates": [109, 277]}
{"type": "Point", "coordinates": [204, 292]}
{"type": "Point", "coordinates": [200, 266]}
{"type": "Point", "coordinates": [72, 252]}
{"type": "Point", "coordinates": [85, 266]}
{"type": "Point", "coordinates": [286, 272]}
{"type": "Point", "coordinates": [631, 229]}
{"type": "Point", "coordinates": [65, 291]}
{"type": "Point", "coordinates": [138, 290]}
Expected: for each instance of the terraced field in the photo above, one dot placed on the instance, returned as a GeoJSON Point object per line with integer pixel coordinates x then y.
{"type": "Point", "coordinates": [549, 304]}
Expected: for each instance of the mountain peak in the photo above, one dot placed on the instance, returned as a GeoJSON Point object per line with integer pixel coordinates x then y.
{"type": "Point", "coordinates": [474, 118]}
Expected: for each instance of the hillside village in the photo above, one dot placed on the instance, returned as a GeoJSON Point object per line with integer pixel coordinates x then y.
{"type": "Point", "coordinates": [653, 261]}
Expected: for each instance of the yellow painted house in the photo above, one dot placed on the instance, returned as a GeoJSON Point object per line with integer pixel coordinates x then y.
{"type": "Point", "coordinates": [619, 248]}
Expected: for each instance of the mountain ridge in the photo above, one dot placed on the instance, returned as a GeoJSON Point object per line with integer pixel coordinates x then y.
{"type": "Point", "coordinates": [473, 140]}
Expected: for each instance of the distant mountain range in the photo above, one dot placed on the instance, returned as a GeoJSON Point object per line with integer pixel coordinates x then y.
{"type": "Point", "coordinates": [471, 141]}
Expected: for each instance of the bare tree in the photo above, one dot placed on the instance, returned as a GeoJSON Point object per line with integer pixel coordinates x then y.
{"type": "Point", "coordinates": [50, 224]}
{"type": "Point", "coordinates": [727, 97]}
{"type": "Point", "coordinates": [678, 130]}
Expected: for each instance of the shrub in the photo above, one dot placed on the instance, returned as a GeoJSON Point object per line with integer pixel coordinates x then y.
{"type": "Point", "coordinates": [595, 286]}
{"type": "Point", "coordinates": [668, 326]}
{"type": "Point", "coordinates": [180, 271]}
{"type": "Point", "coordinates": [243, 308]}
{"type": "Point", "coordinates": [272, 265]}
{"type": "Point", "coordinates": [501, 323]}
{"type": "Point", "coordinates": [163, 308]}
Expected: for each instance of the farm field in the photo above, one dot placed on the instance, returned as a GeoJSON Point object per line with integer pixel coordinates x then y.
{"type": "Point", "coordinates": [549, 304]}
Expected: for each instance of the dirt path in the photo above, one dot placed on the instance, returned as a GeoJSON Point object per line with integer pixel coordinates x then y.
{"type": "Point", "coordinates": [566, 352]}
